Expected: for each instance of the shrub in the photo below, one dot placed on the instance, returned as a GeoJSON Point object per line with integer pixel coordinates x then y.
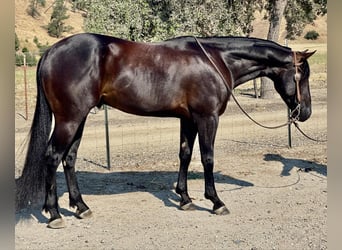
{"type": "Point", "coordinates": [311, 35]}
{"type": "Point", "coordinates": [42, 48]}
{"type": "Point", "coordinates": [19, 59]}
{"type": "Point", "coordinates": [31, 59]}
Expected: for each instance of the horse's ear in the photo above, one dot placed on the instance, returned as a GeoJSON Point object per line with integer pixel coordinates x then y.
{"type": "Point", "coordinates": [303, 55]}
{"type": "Point", "coordinates": [307, 54]}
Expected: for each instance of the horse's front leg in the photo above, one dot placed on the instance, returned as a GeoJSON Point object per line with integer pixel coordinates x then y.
{"type": "Point", "coordinates": [188, 133]}
{"type": "Point", "coordinates": [207, 127]}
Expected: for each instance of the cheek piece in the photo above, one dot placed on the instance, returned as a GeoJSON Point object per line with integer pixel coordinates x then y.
{"type": "Point", "coordinates": [297, 78]}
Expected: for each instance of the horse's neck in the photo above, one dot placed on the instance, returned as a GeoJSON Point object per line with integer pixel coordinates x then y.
{"type": "Point", "coordinates": [244, 70]}
{"type": "Point", "coordinates": [248, 63]}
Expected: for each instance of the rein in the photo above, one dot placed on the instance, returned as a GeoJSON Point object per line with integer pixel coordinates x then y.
{"type": "Point", "coordinates": [298, 95]}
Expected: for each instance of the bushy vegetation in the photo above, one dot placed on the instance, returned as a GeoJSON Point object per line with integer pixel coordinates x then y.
{"type": "Point", "coordinates": [42, 48]}
{"type": "Point", "coordinates": [311, 35]}
{"type": "Point", "coordinates": [149, 20]}
{"type": "Point", "coordinates": [31, 59]}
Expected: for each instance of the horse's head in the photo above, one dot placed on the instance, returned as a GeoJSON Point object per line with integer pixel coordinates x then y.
{"type": "Point", "coordinates": [292, 84]}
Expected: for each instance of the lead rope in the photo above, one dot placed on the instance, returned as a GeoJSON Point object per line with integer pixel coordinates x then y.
{"type": "Point", "coordinates": [305, 135]}
{"type": "Point", "coordinates": [234, 98]}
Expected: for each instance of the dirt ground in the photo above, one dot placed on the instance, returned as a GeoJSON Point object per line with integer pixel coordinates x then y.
{"type": "Point", "coordinates": [277, 196]}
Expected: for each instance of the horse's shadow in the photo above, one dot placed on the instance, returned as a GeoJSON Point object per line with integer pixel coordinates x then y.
{"type": "Point", "coordinates": [161, 184]}
{"type": "Point", "coordinates": [290, 163]}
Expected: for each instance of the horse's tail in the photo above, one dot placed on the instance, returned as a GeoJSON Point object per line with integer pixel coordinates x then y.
{"type": "Point", "coordinates": [30, 187]}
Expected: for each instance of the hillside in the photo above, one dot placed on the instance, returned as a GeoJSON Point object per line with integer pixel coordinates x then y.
{"type": "Point", "coordinates": [27, 27]}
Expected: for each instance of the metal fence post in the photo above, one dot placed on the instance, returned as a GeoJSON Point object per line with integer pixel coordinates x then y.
{"type": "Point", "coordinates": [107, 137]}
{"type": "Point", "coordinates": [25, 86]}
{"type": "Point", "coordinates": [289, 129]}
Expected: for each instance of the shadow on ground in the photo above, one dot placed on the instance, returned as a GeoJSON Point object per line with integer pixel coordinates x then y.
{"type": "Point", "coordinates": [158, 183]}
{"type": "Point", "coordinates": [290, 163]}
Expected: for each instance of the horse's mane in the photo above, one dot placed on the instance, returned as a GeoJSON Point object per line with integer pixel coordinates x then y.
{"type": "Point", "coordinates": [271, 44]}
{"type": "Point", "coordinates": [239, 42]}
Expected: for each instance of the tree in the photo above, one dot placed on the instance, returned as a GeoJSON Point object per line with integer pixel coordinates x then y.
{"type": "Point", "coordinates": [151, 20]}
{"type": "Point", "coordinates": [297, 14]}
{"type": "Point", "coordinates": [214, 17]}
{"type": "Point", "coordinates": [32, 9]}
{"type": "Point", "coordinates": [57, 26]}
{"type": "Point", "coordinates": [275, 10]}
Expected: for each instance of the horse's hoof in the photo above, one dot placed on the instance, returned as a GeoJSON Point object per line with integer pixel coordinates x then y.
{"type": "Point", "coordinates": [221, 211]}
{"type": "Point", "coordinates": [84, 215]}
{"type": "Point", "coordinates": [188, 207]}
{"type": "Point", "coordinates": [56, 224]}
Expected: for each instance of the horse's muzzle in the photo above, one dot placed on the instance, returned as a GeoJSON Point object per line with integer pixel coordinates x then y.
{"type": "Point", "coordinates": [300, 113]}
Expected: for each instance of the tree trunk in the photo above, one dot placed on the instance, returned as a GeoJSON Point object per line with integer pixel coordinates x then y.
{"type": "Point", "coordinates": [276, 13]}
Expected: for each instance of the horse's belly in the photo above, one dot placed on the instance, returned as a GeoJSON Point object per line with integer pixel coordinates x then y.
{"type": "Point", "coordinates": [148, 104]}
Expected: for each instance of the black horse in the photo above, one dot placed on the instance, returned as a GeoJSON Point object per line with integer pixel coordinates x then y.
{"type": "Point", "coordinates": [185, 77]}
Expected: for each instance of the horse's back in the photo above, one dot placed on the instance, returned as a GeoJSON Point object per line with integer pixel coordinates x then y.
{"type": "Point", "coordinates": [163, 79]}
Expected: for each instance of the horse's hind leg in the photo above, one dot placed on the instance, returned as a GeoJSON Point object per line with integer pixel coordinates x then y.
{"type": "Point", "coordinates": [60, 141]}
{"type": "Point", "coordinates": [207, 127]}
{"type": "Point", "coordinates": [68, 161]}
{"type": "Point", "coordinates": [187, 137]}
